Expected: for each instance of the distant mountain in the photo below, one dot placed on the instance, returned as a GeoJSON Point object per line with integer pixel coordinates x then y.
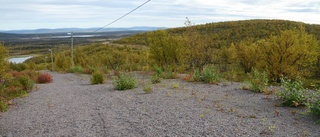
{"type": "Point", "coordinates": [82, 30]}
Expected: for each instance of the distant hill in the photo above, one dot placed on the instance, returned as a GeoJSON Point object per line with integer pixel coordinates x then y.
{"type": "Point", "coordinates": [225, 33]}
{"type": "Point", "coordinates": [81, 30]}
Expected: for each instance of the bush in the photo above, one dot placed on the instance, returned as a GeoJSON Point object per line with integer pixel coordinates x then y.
{"type": "Point", "coordinates": [196, 75]}
{"type": "Point", "coordinates": [44, 78]}
{"type": "Point", "coordinates": [209, 75]}
{"type": "Point", "coordinates": [26, 82]}
{"type": "Point", "coordinates": [123, 82]}
{"type": "Point", "coordinates": [147, 89]}
{"type": "Point", "coordinates": [3, 106]}
{"type": "Point", "coordinates": [76, 69]}
{"type": "Point", "coordinates": [158, 71]}
{"type": "Point", "coordinates": [155, 79]}
{"type": "Point", "coordinates": [315, 108]}
{"type": "Point", "coordinates": [258, 81]}
{"type": "Point", "coordinates": [293, 93]}
{"type": "Point", "coordinates": [97, 78]}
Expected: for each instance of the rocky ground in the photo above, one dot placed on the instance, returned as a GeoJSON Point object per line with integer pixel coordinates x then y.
{"type": "Point", "coordinates": [70, 106]}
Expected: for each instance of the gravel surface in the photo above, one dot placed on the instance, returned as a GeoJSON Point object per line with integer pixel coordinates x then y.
{"type": "Point", "coordinates": [70, 106]}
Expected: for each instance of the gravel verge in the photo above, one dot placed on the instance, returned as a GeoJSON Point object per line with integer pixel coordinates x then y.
{"type": "Point", "coordinates": [70, 106]}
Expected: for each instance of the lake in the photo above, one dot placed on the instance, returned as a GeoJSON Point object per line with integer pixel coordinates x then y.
{"type": "Point", "coordinates": [19, 59]}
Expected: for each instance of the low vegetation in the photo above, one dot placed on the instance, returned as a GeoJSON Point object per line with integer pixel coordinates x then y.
{"type": "Point", "coordinates": [147, 89]}
{"type": "Point", "coordinates": [293, 93]}
{"type": "Point", "coordinates": [208, 75]}
{"type": "Point", "coordinates": [97, 78]}
{"type": "Point", "coordinates": [124, 82]}
{"type": "Point", "coordinates": [44, 78]}
{"type": "Point", "coordinates": [262, 51]}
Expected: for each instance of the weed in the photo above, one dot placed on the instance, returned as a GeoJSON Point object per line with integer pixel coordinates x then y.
{"type": "Point", "coordinates": [207, 75]}
{"type": "Point", "coordinates": [158, 71]}
{"type": "Point", "coordinates": [76, 69]}
{"type": "Point", "coordinates": [315, 108]}
{"type": "Point", "coordinates": [90, 70]}
{"type": "Point", "coordinates": [3, 106]}
{"type": "Point", "coordinates": [147, 89]}
{"type": "Point", "coordinates": [188, 78]}
{"type": "Point", "coordinates": [26, 82]}
{"type": "Point", "coordinates": [210, 75]}
{"type": "Point", "coordinates": [258, 81]}
{"type": "Point", "coordinates": [196, 75]}
{"type": "Point", "coordinates": [97, 78]}
{"type": "Point", "coordinates": [124, 82]}
{"type": "Point", "coordinates": [293, 93]}
{"type": "Point", "coordinates": [175, 85]}
{"type": "Point", "coordinates": [155, 79]}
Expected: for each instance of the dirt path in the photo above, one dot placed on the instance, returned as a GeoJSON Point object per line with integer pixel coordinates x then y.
{"type": "Point", "coordinates": [70, 106]}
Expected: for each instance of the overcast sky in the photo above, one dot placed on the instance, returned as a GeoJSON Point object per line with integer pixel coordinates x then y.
{"type": "Point", "coordinates": [33, 14]}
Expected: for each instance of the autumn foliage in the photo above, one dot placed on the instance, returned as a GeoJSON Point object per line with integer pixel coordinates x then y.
{"type": "Point", "coordinates": [44, 78]}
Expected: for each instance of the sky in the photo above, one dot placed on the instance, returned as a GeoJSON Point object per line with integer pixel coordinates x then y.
{"type": "Point", "coordinates": [35, 14]}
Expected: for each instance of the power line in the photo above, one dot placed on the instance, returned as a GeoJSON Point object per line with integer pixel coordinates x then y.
{"type": "Point", "coordinates": [122, 16]}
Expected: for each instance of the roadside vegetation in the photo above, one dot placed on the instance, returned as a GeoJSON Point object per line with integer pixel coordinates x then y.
{"type": "Point", "coordinates": [258, 52]}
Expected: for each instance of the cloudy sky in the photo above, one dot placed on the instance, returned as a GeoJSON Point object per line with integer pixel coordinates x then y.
{"type": "Point", "coordinates": [33, 14]}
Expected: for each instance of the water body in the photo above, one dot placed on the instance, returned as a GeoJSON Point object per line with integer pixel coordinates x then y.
{"type": "Point", "coordinates": [75, 36]}
{"type": "Point", "coordinates": [19, 59]}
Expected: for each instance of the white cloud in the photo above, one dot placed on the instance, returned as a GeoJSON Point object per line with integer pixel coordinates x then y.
{"type": "Point", "coordinates": [30, 14]}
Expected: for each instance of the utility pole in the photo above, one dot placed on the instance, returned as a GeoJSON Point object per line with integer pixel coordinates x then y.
{"type": "Point", "coordinates": [72, 61]}
{"type": "Point", "coordinates": [51, 58]}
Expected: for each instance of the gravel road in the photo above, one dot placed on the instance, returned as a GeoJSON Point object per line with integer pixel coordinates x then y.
{"type": "Point", "coordinates": [70, 106]}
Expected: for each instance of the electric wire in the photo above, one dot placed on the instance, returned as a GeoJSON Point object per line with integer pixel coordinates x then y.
{"type": "Point", "coordinates": [123, 16]}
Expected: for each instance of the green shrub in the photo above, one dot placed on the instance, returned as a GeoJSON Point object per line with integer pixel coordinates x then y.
{"type": "Point", "coordinates": [3, 106]}
{"type": "Point", "coordinates": [97, 78]}
{"type": "Point", "coordinates": [158, 71]}
{"type": "Point", "coordinates": [293, 93]}
{"type": "Point", "coordinates": [76, 69]}
{"type": "Point", "coordinates": [258, 81]}
{"type": "Point", "coordinates": [155, 79]}
{"type": "Point", "coordinates": [196, 75]}
{"type": "Point", "coordinates": [209, 75]}
{"type": "Point", "coordinates": [123, 82]}
{"type": "Point", "coordinates": [147, 89]}
{"type": "Point", "coordinates": [26, 82]}
{"type": "Point", "coordinates": [315, 108]}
